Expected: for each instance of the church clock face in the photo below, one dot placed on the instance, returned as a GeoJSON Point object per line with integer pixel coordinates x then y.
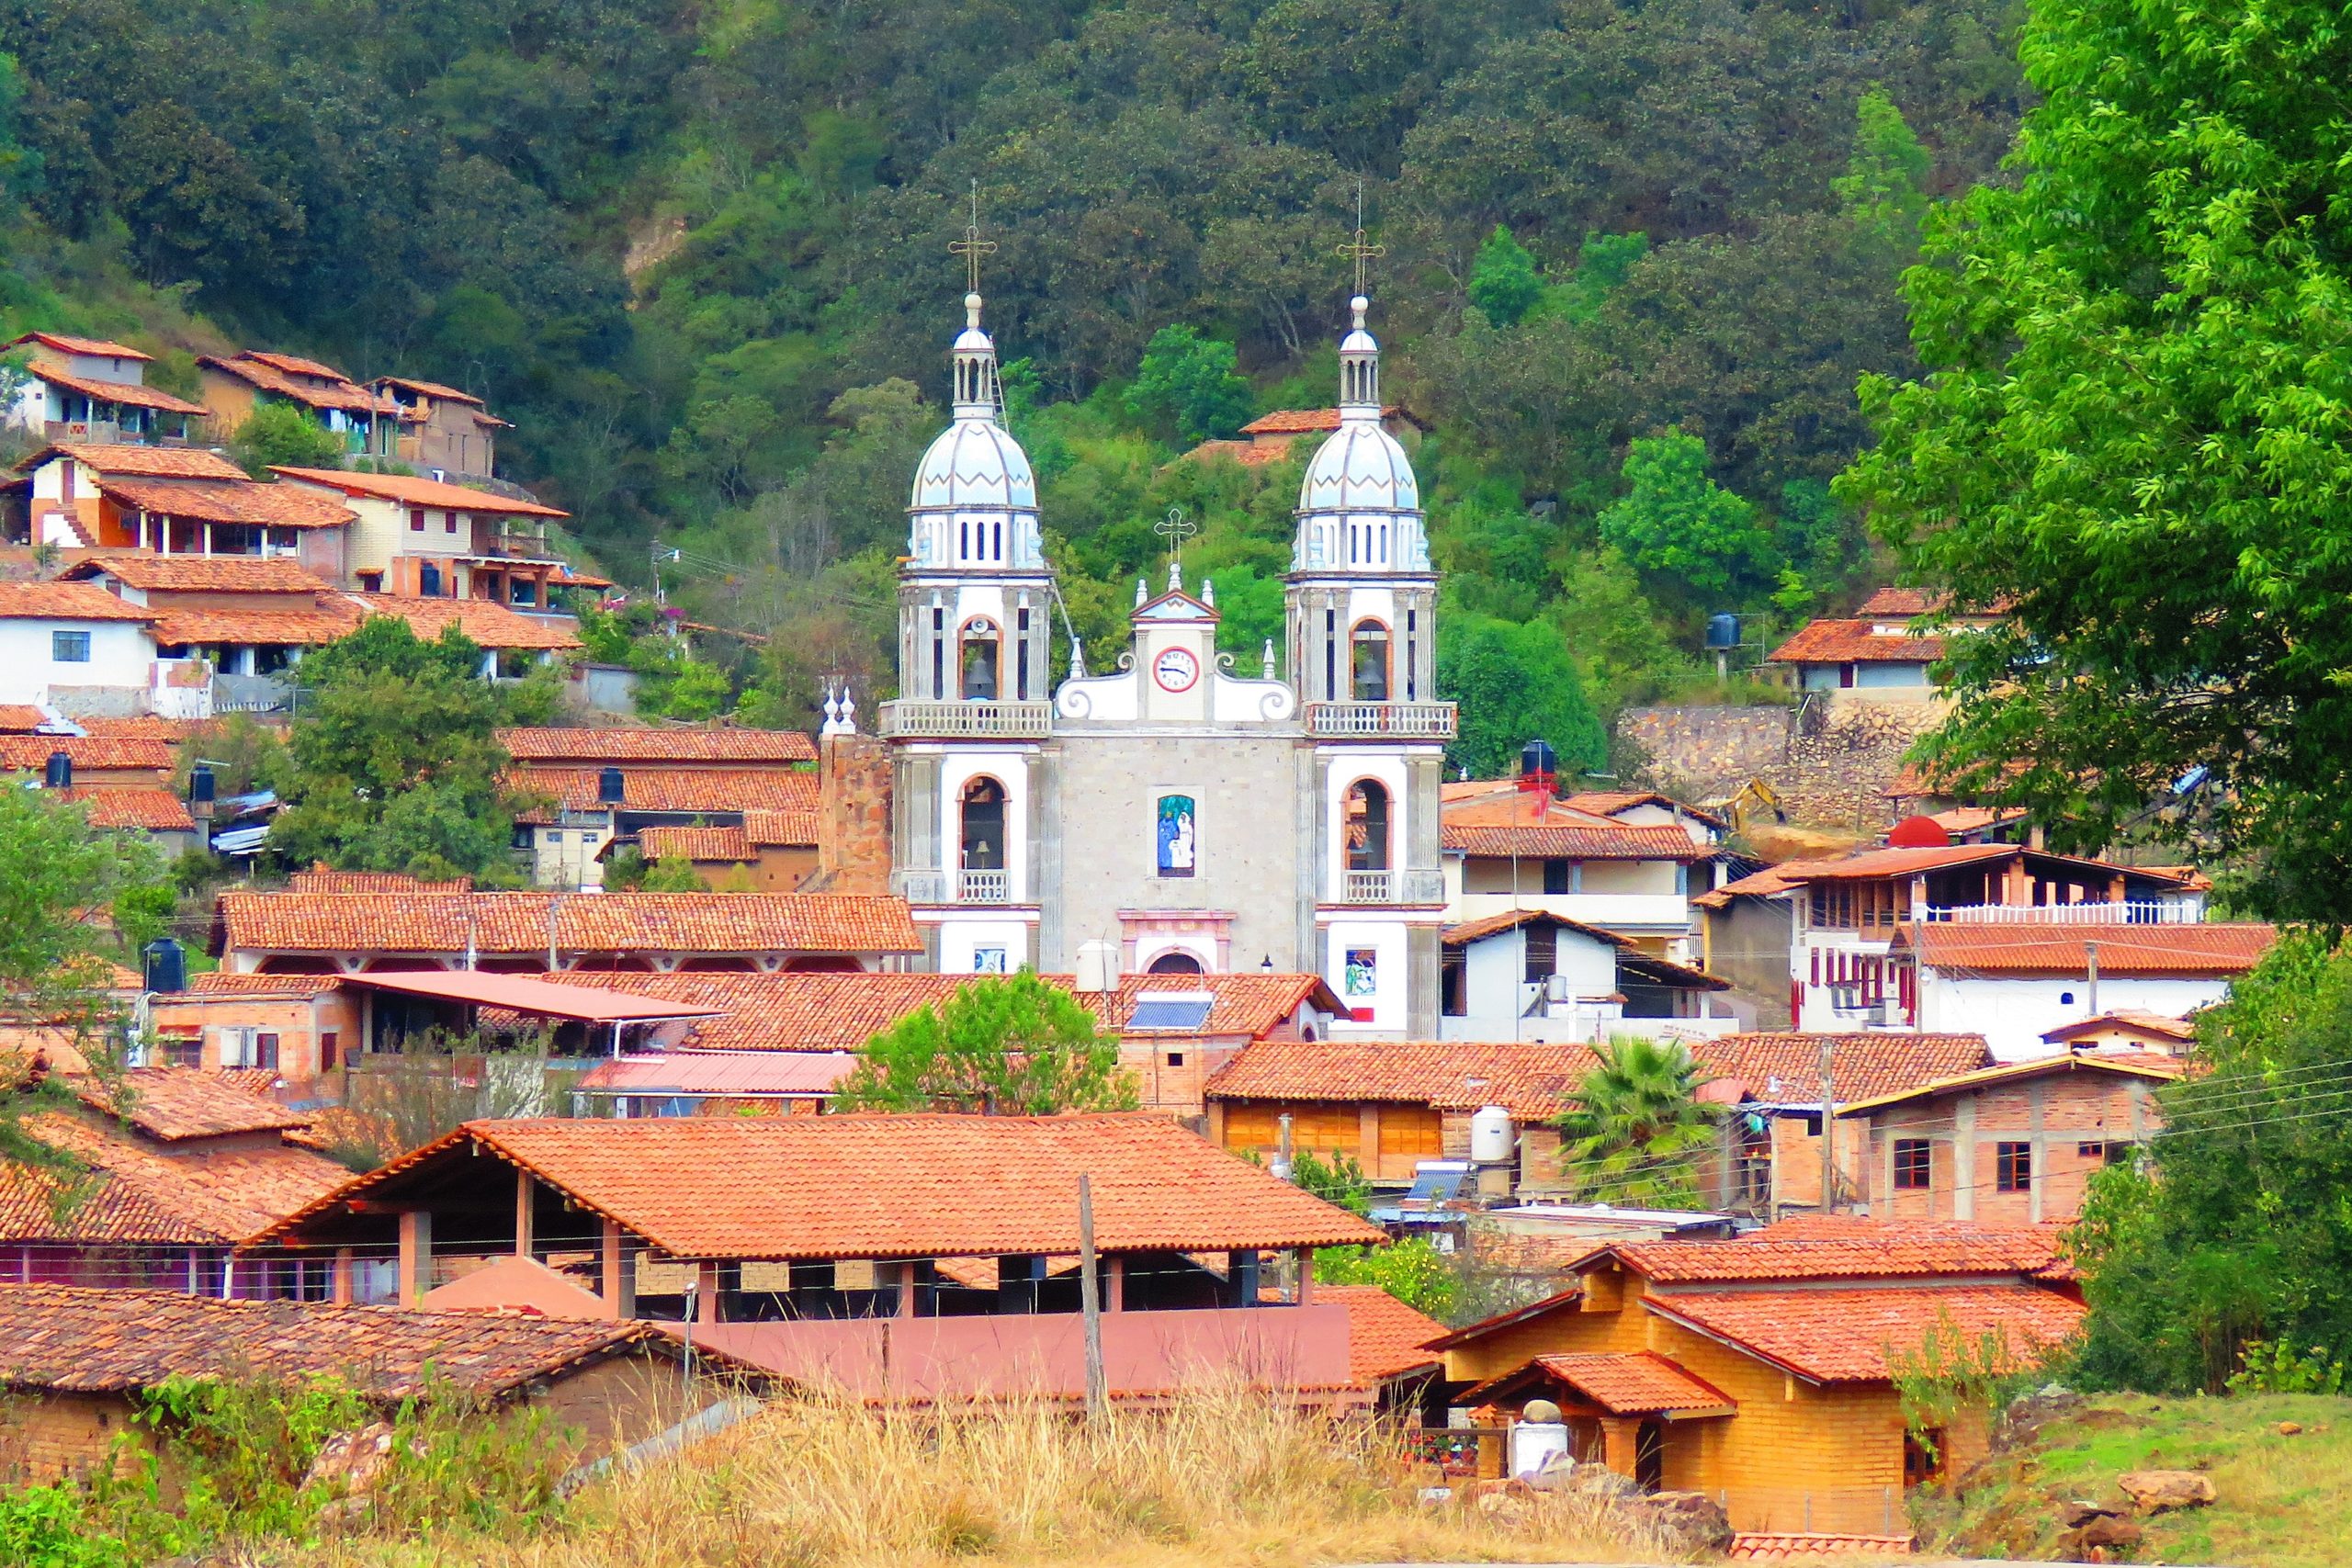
{"type": "Point", "coordinates": [1175, 670]}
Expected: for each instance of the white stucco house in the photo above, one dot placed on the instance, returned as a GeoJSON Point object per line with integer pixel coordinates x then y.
{"type": "Point", "coordinates": [74, 649]}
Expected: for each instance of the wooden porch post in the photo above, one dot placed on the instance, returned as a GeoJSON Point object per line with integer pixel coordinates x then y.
{"type": "Point", "coordinates": [1115, 1268]}
{"type": "Point", "coordinates": [341, 1293]}
{"type": "Point", "coordinates": [1617, 1443]}
{"type": "Point", "coordinates": [707, 1291]}
{"type": "Point", "coordinates": [416, 1256]}
{"type": "Point", "coordinates": [619, 1285]}
{"type": "Point", "coordinates": [1306, 1275]}
{"type": "Point", "coordinates": [523, 1193]}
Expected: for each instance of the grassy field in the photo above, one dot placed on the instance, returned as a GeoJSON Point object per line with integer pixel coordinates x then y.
{"type": "Point", "coordinates": [1213, 1480]}
{"type": "Point", "coordinates": [2285, 1501]}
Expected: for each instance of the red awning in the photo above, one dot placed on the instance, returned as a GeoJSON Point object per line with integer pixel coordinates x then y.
{"type": "Point", "coordinates": [530, 994]}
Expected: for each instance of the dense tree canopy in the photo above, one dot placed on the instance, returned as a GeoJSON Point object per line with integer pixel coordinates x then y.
{"type": "Point", "coordinates": [2131, 435]}
{"type": "Point", "coordinates": [1004, 1045]}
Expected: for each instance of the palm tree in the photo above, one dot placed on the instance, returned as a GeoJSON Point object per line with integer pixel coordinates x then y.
{"type": "Point", "coordinates": [1636, 1126]}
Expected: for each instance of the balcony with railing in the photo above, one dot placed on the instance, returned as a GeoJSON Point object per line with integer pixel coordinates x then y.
{"type": "Point", "coordinates": [1369, 888]}
{"type": "Point", "coordinates": [1363, 721]}
{"type": "Point", "coordinates": [2136, 912]}
{"type": "Point", "coordinates": [913, 719]}
{"type": "Point", "coordinates": [978, 886]}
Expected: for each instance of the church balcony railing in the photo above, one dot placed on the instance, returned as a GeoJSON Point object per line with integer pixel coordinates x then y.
{"type": "Point", "coordinates": [984, 886]}
{"type": "Point", "coordinates": [909, 719]}
{"type": "Point", "coordinates": [1357, 721]}
{"type": "Point", "coordinates": [1369, 888]}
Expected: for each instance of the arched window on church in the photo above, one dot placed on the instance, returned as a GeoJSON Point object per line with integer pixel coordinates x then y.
{"type": "Point", "coordinates": [978, 656]}
{"type": "Point", "coordinates": [983, 827]}
{"type": "Point", "coordinates": [1368, 826]}
{"type": "Point", "coordinates": [1368, 662]}
{"type": "Point", "coordinates": [1174, 964]}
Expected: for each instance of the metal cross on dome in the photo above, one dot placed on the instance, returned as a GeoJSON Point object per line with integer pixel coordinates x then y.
{"type": "Point", "coordinates": [1358, 250]}
{"type": "Point", "coordinates": [971, 247]}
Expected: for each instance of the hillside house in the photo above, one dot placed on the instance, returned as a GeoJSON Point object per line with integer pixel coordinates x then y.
{"type": "Point", "coordinates": [1757, 1370]}
{"type": "Point", "coordinates": [1506, 853]}
{"type": "Point", "coordinates": [121, 782]}
{"type": "Point", "coordinates": [1270, 437]}
{"type": "Point", "coordinates": [82, 389]}
{"type": "Point", "coordinates": [1529, 974]}
{"type": "Point", "coordinates": [430, 539]}
{"type": "Point", "coordinates": [364, 422]}
{"type": "Point", "coordinates": [74, 650]}
{"type": "Point", "coordinates": [900, 1257]}
{"type": "Point", "coordinates": [175, 502]}
{"type": "Point", "coordinates": [442, 430]}
{"type": "Point", "coordinates": [2010, 1145]}
{"type": "Point", "coordinates": [770, 851]}
{"type": "Point", "coordinates": [1880, 654]}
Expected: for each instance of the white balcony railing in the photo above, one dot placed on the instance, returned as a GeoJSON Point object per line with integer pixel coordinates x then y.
{"type": "Point", "coordinates": [2184, 912]}
{"type": "Point", "coordinates": [910, 719]}
{"type": "Point", "coordinates": [1369, 888]}
{"type": "Point", "coordinates": [1412, 721]}
{"type": "Point", "coordinates": [984, 886]}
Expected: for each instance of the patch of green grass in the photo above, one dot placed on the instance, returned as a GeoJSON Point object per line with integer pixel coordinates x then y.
{"type": "Point", "coordinates": [2284, 1501]}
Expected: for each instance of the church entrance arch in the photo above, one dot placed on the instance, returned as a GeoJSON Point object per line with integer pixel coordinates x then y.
{"type": "Point", "coordinates": [1175, 963]}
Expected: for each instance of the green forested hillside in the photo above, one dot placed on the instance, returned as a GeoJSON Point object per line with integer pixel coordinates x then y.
{"type": "Point", "coordinates": [698, 253]}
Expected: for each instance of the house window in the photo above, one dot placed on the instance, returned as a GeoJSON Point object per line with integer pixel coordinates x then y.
{"type": "Point", "coordinates": [416, 519]}
{"type": "Point", "coordinates": [371, 582]}
{"type": "Point", "coordinates": [70, 647]}
{"type": "Point", "coordinates": [1175, 1058]}
{"type": "Point", "coordinates": [183, 1050]}
{"type": "Point", "coordinates": [428, 581]}
{"type": "Point", "coordinates": [2013, 1167]}
{"type": "Point", "coordinates": [1543, 954]}
{"type": "Point", "coordinates": [448, 521]}
{"type": "Point", "coordinates": [330, 1043]}
{"type": "Point", "coordinates": [1556, 877]}
{"type": "Point", "coordinates": [1911, 1165]}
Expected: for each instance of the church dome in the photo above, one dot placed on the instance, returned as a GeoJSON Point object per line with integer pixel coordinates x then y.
{"type": "Point", "coordinates": [1360, 467]}
{"type": "Point", "coordinates": [974, 463]}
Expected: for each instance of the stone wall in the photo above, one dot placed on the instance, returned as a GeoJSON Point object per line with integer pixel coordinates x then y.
{"type": "Point", "coordinates": [1831, 763]}
{"type": "Point", "coordinates": [853, 816]}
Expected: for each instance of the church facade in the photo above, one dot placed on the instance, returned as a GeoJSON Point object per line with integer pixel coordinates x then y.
{"type": "Point", "coordinates": [1173, 814]}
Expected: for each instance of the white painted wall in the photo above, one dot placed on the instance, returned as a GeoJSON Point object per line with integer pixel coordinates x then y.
{"type": "Point", "coordinates": [2014, 1014]}
{"type": "Point", "coordinates": [122, 656]}
{"type": "Point", "coordinates": [1344, 770]}
{"type": "Point", "coordinates": [961, 941]}
{"type": "Point", "coordinates": [1010, 769]}
{"type": "Point", "coordinates": [1386, 937]}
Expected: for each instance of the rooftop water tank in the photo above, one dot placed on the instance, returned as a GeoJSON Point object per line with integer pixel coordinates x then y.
{"type": "Point", "coordinates": [1490, 1136]}
{"type": "Point", "coordinates": [201, 788]}
{"type": "Point", "coordinates": [59, 775]}
{"type": "Point", "coordinates": [165, 965]}
{"type": "Point", "coordinates": [610, 790]}
{"type": "Point", "coordinates": [1722, 631]}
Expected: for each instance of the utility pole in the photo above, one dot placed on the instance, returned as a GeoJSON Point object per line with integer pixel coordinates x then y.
{"type": "Point", "coordinates": [2090, 951]}
{"type": "Point", "coordinates": [1090, 1299]}
{"type": "Point", "coordinates": [1828, 1134]}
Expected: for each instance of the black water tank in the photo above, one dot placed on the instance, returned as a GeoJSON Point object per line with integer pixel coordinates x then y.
{"type": "Point", "coordinates": [200, 785]}
{"type": "Point", "coordinates": [166, 965]}
{"type": "Point", "coordinates": [609, 790]}
{"type": "Point", "coordinates": [59, 775]}
{"type": "Point", "coordinates": [1537, 757]}
{"type": "Point", "coordinates": [1722, 631]}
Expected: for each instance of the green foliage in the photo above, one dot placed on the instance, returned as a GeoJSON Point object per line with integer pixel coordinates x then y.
{"type": "Point", "coordinates": [627, 871]}
{"type": "Point", "coordinates": [2281, 1369]}
{"type": "Point", "coordinates": [1338, 1180]}
{"type": "Point", "coordinates": [1413, 1270]}
{"type": "Point", "coordinates": [1008, 1045]}
{"type": "Point", "coordinates": [1515, 684]}
{"type": "Point", "coordinates": [2239, 1228]}
{"type": "Point", "coordinates": [1186, 388]}
{"type": "Point", "coordinates": [54, 870]}
{"type": "Point", "coordinates": [1603, 264]}
{"type": "Point", "coordinates": [394, 764]}
{"type": "Point", "coordinates": [2127, 435]}
{"type": "Point", "coordinates": [1952, 1373]}
{"type": "Point", "coordinates": [1504, 282]}
{"type": "Point", "coordinates": [283, 433]}
{"type": "Point", "coordinates": [1883, 190]}
{"type": "Point", "coordinates": [1636, 1126]}
{"type": "Point", "coordinates": [1675, 520]}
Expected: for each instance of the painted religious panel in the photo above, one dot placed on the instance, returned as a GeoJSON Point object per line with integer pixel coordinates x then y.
{"type": "Point", "coordinates": [1177, 830]}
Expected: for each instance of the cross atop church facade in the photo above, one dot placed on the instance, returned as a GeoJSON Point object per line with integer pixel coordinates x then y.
{"type": "Point", "coordinates": [1357, 250]}
{"type": "Point", "coordinates": [1175, 528]}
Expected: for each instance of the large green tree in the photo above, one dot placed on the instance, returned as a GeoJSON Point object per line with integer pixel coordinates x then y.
{"type": "Point", "coordinates": [2238, 1225]}
{"type": "Point", "coordinates": [393, 763]}
{"type": "Point", "coordinates": [1004, 1045]}
{"type": "Point", "coordinates": [2131, 440]}
{"type": "Point", "coordinates": [1677, 522]}
{"type": "Point", "coordinates": [1515, 684]}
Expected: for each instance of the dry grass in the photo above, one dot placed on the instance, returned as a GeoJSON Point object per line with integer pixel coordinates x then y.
{"type": "Point", "coordinates": [1221, 1478]}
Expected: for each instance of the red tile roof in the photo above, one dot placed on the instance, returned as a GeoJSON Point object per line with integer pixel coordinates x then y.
{"type": "Point", "coordinates": [20, 719]}
{"type": "Point", "coordinates": [1247, 1004]}
{"type": "Point", "coordinates": [412, 492]}
{"type": "Point", "coordinates": [695, 843]}
{"type": "Point", "coordinates": [1641, 1382]}
{"type": "Point", "coordinates": [66, 602]}
{"type": "Point", "coordinates": [1846, 1335]}
{"type": "Point", "coordinates": [1843, 1247]}
{"type": "Point", "coordinates": [140, 462]}
{"type": "Point", "coordinates": [917, 1186]}
{"type": "Point", "coordinates": [1533, 1082]}
{"type": "Point", "coordinates": [302, 623]}
{"type": "Point", "coordinates": [202, 574]}
{"type": "Point", "coordinates": [1249, 453]}
{"type": "Point", "coordinates": [787, 1012]}
{"type": "Point", "coordinates": [491, 626]}
{"type": "Point", "coordinates": [654, 787]}
{"type": "Point", "coordinates": [650, 743]}
{"type": "Point", "coordinates": [2217, 950]}
{"type": "Point", "coordinates": [1790, 1546]}
{"type": "Point", "coordinates": [1765, 883]}
{"type": "Point", "coordinates": [1856, 642]}
{"type": "Point", "coordinates": [1887, 602]}
{"type": "Point", "coordinates": [1786, 1067]}
{"type": "Point", "coordinates": [2126, 1064]}
{"type": "Point", "coordinates": [782, 830]}
{"type": "Point", "coordinates": [431, 389]}
{"type": "Point", "coordinates": [326, 879]}
{"type": "Point", "coordinates": [111, 754]}
{"type": "Point", "coordinates": [129, 805]}
{"type": "Point", "coordinates": [225, 983]}
{"type": "Point", "coordinates": [1550, 842]}
{"type": "Point", "coordinates": [171, 1104]}
{"type": "Point", "coordinates": [605, 922]}
{"type": "Point", "coordinates": [295, 365]}
{"type": "Point", "coordinates": [1386, 1337]}
{"type": "Point", "coordinates": [127, 394]}
{"type": "Point", "coordinates": [2126, 1019]}
{"type": "Point", "coordinates": [57, 1338]}
{"type": "Point", "coordinates": [96, 347]}
{"type": "Point", "coordinates": [1485, 926]}
{"type": "Point", "coordinates": [227, 501]}
{"type": "Point", "coordinates": [146, 1196]}
{"type": "Point", "coordinates": [1303, 421]}
{"type": "Point", "coordinates": [282, 373]}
